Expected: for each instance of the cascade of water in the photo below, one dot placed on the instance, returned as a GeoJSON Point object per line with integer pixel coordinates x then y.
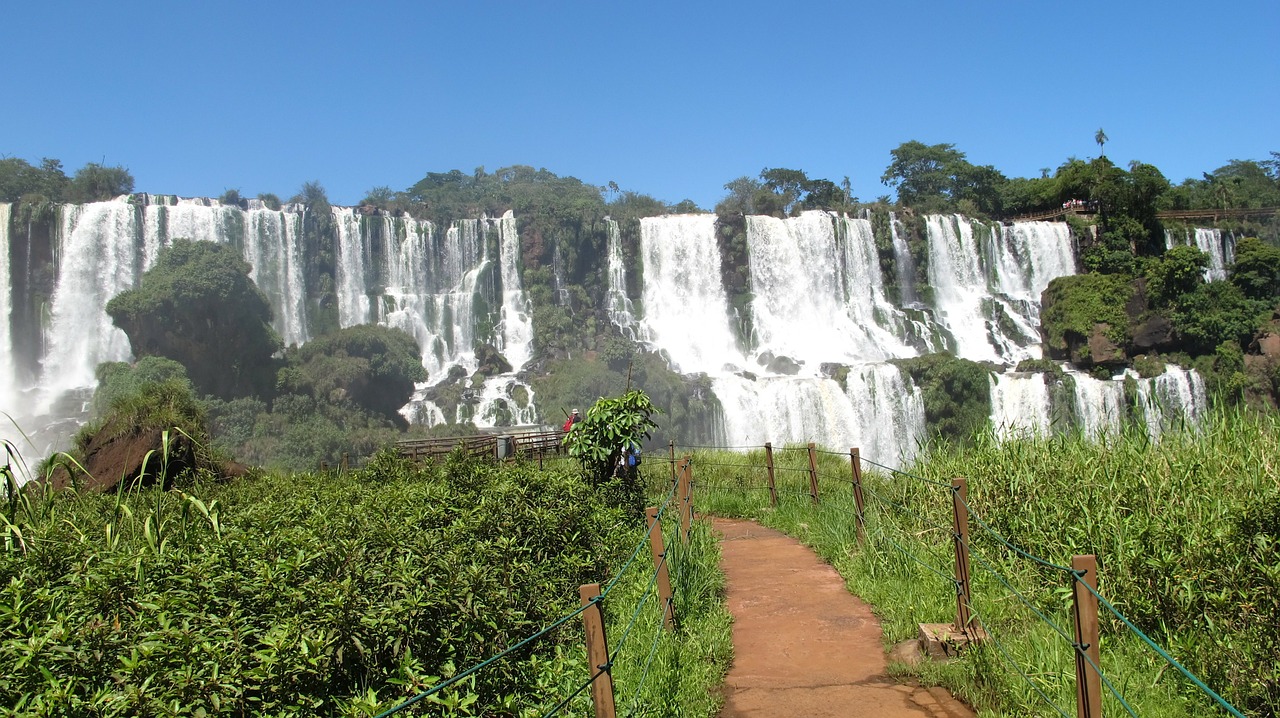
{"type": "Point", "coordinates": [904, 264]}
{"type": "Point", "coordinates": [517, 313]}
{"type": "Point", "coordinates": [1175, 396]}
{"type": "Point", "coordinates": [621, 310]}
{"type": "Point", "coordinates": [272, 246]}
{"type": "Point", "coordinates": [959, 286]}
{"type": "Point", "coordinates": [99, 260]}
{"type": "Point", "coordinates": [1220, 249]}
{"type": "Point", "coordinates": [819, 294]}
{"type": "Point", "coordinates": [8, 371]}
{"type": "Point", "coordinates": [1099, 404]}
{"type": "Point", "coordinates": [686, 309]}
{"type": "Point", "coordinates": [879, 411]}
{"type": "Point", "coordinates": [1020, 405]}
{"type": "Point", "coordinates": [353, 246]}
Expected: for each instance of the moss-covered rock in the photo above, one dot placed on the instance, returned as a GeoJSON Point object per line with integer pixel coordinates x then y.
{"type": "Point", "coordinates": [1083, 318]}
{"type": "Point", "coordinates": [956, 393]}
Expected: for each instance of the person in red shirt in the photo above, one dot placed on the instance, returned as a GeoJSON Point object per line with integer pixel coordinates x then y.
{"type": "Point", "coordinates": [573, 419]}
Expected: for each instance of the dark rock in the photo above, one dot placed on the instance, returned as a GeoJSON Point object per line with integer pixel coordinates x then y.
{"type": "Point", "coordinates": [115, 457]}
{"type": "Point", "coordinates": [784, 365]}
{"type": "Point", "coordinates": [1101, 350]}
{"type": "Point", "coordinates": [490, 361]}
{"type": "Point", "coordinates": [1153, 334]}
{"type": "Point", "coordinates": [764, 359]}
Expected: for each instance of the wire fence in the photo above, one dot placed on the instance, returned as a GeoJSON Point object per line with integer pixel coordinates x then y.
{"type": "Point", "coordinates": [923, 515]}
{"type": "Point", "coordinates": [649, 591]}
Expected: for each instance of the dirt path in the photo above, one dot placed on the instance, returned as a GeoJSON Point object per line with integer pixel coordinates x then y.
{"type": "Point", "coordinates": [803, 645]}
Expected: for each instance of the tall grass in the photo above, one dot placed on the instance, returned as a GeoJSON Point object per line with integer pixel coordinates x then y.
{"type": "Point", "coordinates": [1187, 533]}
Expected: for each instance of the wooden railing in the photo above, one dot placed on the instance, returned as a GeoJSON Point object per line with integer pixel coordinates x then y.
{"type": "Point", "coordinates": [498, 446]}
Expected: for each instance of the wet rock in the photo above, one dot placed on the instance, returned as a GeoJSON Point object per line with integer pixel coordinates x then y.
{"type": "Point", "coordinates": [784, 365]}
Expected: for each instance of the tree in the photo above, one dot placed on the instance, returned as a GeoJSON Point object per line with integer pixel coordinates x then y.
{"type": "Point", "coordinates": [934, 177]}
{"type": "Point", "coordinates": [1101, 138]}
{"type": "Point", "coordinates": [1256, 271]}
{"type": "Point", "coordinates": [19, 180]}
{"type": "Point", "coordinates": [198, 307]}
{"type": "Point", "coordinates": [1178, 272]}
{"type": "Point", "coordinates": [610, 426]}
{"type": "Point", "coordinates": [97, 183]}
{"type": "Point", "coordinates": [741, 197]}
{"type": "Point", "coordinates": [371, 366]}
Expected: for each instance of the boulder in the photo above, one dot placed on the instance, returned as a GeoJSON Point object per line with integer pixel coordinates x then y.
{"type": "Point", "coordinates": [1155, 333]}
{"type": "Point", "coordinates": [1101, 349]}
{"type": "Point", "coordinates": [116, 457]}
{"type": "Point", "coordinates": [784, 365]}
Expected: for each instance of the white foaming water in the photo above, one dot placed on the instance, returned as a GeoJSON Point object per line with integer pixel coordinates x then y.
{"type": "Point", "coordinates": [517, 313]}
{"type": "Point", "coordinates": [8, 370]}
{"type": "Point", "coordinates": [621, 309]}
{"type": "Point", "coordinates": [1175, 396]}
{"type": "Point", "coordinates": [880, 412]}
{"type": "Point", "coordinates": [903, 263]}
{"type": "Point", "coordinates": [99, 260]}
{"type": "Point", "coordinates": [819, 294]}
{"type": "Point", "coordinates": [1099, 403]}
{"type": "Point", "coordinates": [987, 290]}
{"type": "Point", "coordinates": [1221, 250]}
{"type": "Point", "coordinates": [353, 247]}
{"type": "Point", "coordinates": [686, 310]}
{"type": "Point", "coordinates": [1020, 405]}
{"type": "Point", "coordinates": [273, 247]}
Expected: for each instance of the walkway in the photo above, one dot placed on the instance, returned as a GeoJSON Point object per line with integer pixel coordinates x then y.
{"type": "Point", "coordinates": [803, 645]}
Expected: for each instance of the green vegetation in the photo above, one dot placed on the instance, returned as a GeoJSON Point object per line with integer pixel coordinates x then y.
{"type": "Point", "coordinates": [1186, 534]}
{"type": "Point", "coordinates": [1074, 305]}
{"type": "Point", "coordinates": [340, 594]}
{"type": "Point", "coordinates": [198, 306]}
{"type": "Point", "coordinates": [606, 442]}
{"type": "Point", "coordinates": [957, 394]}
{"type": "Point", "coordinates": [370, 366]}
{"type": "Point", "coordinates": [21, 181]}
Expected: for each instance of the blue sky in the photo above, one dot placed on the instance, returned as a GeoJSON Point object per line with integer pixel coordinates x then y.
{"type": "Point", "coordinates": [672, 99]}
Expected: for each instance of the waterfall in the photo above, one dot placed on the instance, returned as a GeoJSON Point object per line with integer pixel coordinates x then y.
{"type": "Point", "coordinates": [353, 248]}
{"type": "Point", "coordinates": [1175, 396]}
{"type": "Point", "coordinates": [819, 294]}
{"type": "Point", "coordinates": [686, 309]}
{"type": "Point", "coordinates": [621, 309]}
{"type": "Point", "coordinates": [1099, 404]}
{"type": "Point", "coordinates": [99, 260]}
{"type": "Point", "coordinates": [987, 289]}
{"type": "Point", "coordinates": [1219, 248]}
{"type": "Point", "coordinates": [273, 247]}
{"type": "Point", "coordinates": [517, 313]}
{"type": "Point", "coordinates": [904, 264]}
{"type": "Point", "coordinates": [879, 412]}
{"type": "Point", "coordinates": [1020, 405]}
{"type": "Point", "coordinates": [8, 370]}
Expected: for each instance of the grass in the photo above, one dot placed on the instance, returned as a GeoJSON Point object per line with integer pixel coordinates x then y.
{"type": "Point", "coordinates": [343, 594]}
{"type": "Point", "coordinates": [1186, 533]}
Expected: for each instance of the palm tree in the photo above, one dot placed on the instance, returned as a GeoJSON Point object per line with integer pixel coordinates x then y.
{"type": "Point", "coordinates": [1101, 138]}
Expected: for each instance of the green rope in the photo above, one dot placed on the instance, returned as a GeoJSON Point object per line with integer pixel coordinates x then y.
{"type": "Point", "coordinates": [1022, 598]}
{"type": "Point", "coordinates": [446, 683]}
{"type": "Point", "coordinates": [898, 472]}
{"type": "Point", "coordinates": [948, 578]}
{"type": "Point", "coordinates": [581, 688]}
{"type": "Point", "coordinates": [1106, 681]}
{"type": "Point", "coordinates": [648, 591]}
{"type": "Point", "coordinates": [1012, 664]}
{"type": "Point", "coordinates": [644, 675]}
{"type": "Point", "coordinates": [1163, 654]}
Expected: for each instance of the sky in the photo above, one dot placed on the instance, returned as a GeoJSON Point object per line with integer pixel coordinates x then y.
{"type": "Point", "coordinates": [670, 99]}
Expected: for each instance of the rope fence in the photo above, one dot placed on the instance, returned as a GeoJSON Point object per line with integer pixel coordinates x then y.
{"type": "Point", "coordinates": [970, 626]}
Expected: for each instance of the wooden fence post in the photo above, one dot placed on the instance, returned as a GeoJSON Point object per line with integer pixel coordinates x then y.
{"type": "Point", "coordinates": [597, 652]}
{"type": "Point", "coordinates": [345, 464]}
{"type": "Point", "coordinates": [855, 459]}
{"type": "Point", "coordinates": [768, 463]}
{"type": "Point", "coordinates": [686, 496]}
{"type": "Point", "coordinates": [657, 545]}
{"type": "Point", "coordinates": [813, 472]}
{"type": "Point", "coordinates": [960, 512]}
{"type": "Point", "coordinates": [1085, 607]}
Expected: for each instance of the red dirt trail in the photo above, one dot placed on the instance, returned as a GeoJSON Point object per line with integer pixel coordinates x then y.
{"type": "Point", "coordinates": [803, 645]}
